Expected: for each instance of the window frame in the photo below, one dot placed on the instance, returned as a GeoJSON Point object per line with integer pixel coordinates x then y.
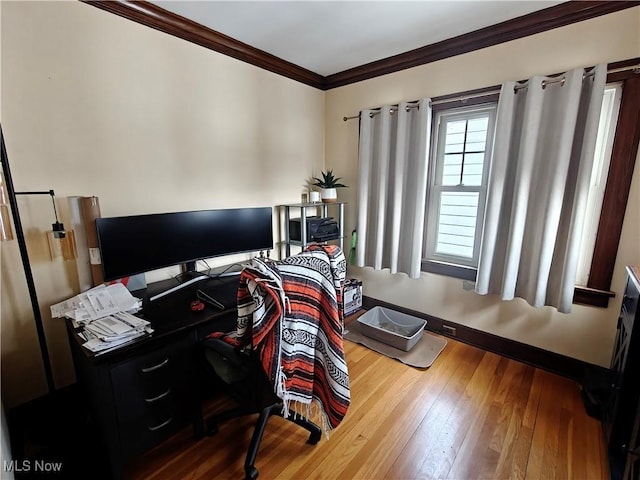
{"type": "Point", "coordinates": [597, 186]}
{"type": "Point", "coordinates": [485, 96]}
{"type": "Point", "coordinates": [436, 166]}
{"type": "Point", "coordinates": [623, 159]}
{"type": "Point", "coordinates": [616, 195]}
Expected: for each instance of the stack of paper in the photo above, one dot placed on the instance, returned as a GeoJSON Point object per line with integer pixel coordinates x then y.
{"type": "Point", "coordinates": [105, 312]}
{"type": "Point", "coordinates": [113, 331]}
{"type": "Point", "coordinates": [96, 303]}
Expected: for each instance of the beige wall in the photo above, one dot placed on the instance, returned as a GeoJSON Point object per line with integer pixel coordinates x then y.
{"type": "Point", "coordinates": [587, 333]}
{"type": "Point", "coordinates": [93, 104]}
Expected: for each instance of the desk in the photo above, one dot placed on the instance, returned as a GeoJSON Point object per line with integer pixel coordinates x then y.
{"type": "Point", "coordinates": [144, 392]}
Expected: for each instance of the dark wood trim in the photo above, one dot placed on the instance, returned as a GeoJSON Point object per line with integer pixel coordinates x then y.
{"type": "Point", "coordinates": [455, 271]}
{"type": "Point", "coordinates": [592, 296]}
{"type": "Point", "coordinates": [536, 22]}
{"type": "Point", "coordinates": [623, 159]}
{"type": "Point", "coordinates": [160, 19]}
{"type": "Point", "coordinates": [151, 15]}
{"type": "Point", "coordinates": [553, 362]}
{"type": "Point", "coordinates": [626, 74]}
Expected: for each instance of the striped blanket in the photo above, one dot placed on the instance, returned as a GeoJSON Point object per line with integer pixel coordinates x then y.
{"type": "Point", "coordinates": [290, 313]}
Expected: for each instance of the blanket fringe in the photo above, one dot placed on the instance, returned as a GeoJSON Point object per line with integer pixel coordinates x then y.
{"type": "Point", "coordinates": [311, 411]}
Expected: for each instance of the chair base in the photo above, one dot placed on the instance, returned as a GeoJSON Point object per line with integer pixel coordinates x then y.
{"type": "Point", "coordinates": [251, 473]}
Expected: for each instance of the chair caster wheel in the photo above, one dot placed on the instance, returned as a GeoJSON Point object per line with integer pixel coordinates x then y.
{"type": "Point", "coordinates": [314, 438]}
{"type": "Point", "coordinates": [251, 473]}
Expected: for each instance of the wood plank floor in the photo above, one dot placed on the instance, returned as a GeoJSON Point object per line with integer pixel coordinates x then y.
{"type": "Point", "coordinates": [472, 415]}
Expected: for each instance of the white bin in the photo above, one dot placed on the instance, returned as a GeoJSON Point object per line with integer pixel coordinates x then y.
{"type": "Point", "coordinates": [393, 328]}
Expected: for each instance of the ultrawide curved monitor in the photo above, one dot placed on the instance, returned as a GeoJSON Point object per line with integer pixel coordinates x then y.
{"type": "Point", "coordinates": [141, 243]}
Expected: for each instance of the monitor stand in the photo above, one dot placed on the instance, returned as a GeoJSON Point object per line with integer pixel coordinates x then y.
{"type": "Point", "coordinates": [187, 277]}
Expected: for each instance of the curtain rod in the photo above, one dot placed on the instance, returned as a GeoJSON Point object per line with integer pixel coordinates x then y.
{"type": "Point", "coordinates": [437, 101]}
{"type": "Point", "coordinates": [463, 98]}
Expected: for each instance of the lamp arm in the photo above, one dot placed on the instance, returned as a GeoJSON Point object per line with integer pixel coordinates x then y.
{"type": "Point", "coordinates": [37, 316]}
{"type": "Point", "coordinates": [58, 228]}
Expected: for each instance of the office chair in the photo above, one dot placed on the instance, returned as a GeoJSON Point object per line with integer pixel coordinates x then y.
{"type": "Point", "coordinates": [249, 386]}
{"type": "Point", "coordinates": [289, 330]}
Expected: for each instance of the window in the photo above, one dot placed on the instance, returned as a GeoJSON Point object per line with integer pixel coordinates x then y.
{"type": "Point", "coordinates": [458, 174]}
{"type": "Point", "coordinates": [601, 162]}
{"type": "Point", "coordinates": [598, 255]}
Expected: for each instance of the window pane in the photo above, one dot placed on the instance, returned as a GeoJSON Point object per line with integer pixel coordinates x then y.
{"type": "Point", "coordinates": [464, 151]}
{"type": "Point", "coordinates": [478, 124]}
{"type": "Point", "coordinates": [452, 159]}
{"type": "Point", "coordinates": [453, 147]}
{"type": "Point", "coordinates": [473, 168]}
{"type": "Point", "coordinates": [453, 229]}
{"type": "Point", "coordinates": [476, 136]}
{"type": "Point", "coordinates": [474, 159]}
{"type": "Point", "coordinates": [454, 138]}
{"type": "Point", "coordinates": [458, 126]}
{"type": "Point", "coordinates": [451, 169]}
{"type": "Point", "coordinates": [458, 240]}
{"type": "Point", "coordinates": [472, 175]}
{"type": "Point", "coordinates": [455, 250]}
{"type": "Point", "coordinates": [457, 223]}
{"type": "Point", "coordinates": [474, 146]}
{"type": "Point", "coordinates": [469, 179]}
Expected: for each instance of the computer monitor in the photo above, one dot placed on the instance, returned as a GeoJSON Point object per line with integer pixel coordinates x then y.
{"type": "Point", "coordinates": [141, 243]}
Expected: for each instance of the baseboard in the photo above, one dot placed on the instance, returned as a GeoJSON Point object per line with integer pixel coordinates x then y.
{"type": "Point", "coordinates": [553, 362]}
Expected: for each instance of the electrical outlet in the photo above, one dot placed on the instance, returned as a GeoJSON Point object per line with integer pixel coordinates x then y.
{"type": "Point", "coordinates": [450, 330]}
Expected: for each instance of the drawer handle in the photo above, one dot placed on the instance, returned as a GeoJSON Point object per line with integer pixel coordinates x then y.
{"type": "Point", "coordinates": [155, 367]}
{"type": "Point", "coordinates": [162, 395]}
{"type": "Point", "coordinates": [163, 424]}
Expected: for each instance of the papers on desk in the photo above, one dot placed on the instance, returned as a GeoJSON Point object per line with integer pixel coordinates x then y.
{"type": "Point", "coordinates": [113, 331]}
{"type": "Point", "coordinates": [105, 313]}
{"type": "Point", "coordinates": [96, 303]}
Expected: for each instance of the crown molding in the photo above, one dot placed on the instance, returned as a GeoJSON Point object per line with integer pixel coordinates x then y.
{"type": "Point", "coordinates": [536, 22]}
{"type": "Point", "coordinates": [561, 15]}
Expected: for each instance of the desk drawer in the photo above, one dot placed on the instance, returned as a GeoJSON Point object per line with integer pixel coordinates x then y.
{"type": "Point", "coordinates": [155, 394]}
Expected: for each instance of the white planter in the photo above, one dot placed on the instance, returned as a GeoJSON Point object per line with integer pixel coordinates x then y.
{"type": "Point", "coordinates": [314, 197]}
{"type": "Point", "coordinates": [329, 195]}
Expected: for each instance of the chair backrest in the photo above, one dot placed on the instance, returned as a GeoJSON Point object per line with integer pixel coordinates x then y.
{"type": "Point", "coordinates": [290, 314]}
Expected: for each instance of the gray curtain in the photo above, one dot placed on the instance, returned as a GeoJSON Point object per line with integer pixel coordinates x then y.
{"type": "Point", "coordinates": [393, 165]}
{"type": "Point", "coordinates": [538, 185]}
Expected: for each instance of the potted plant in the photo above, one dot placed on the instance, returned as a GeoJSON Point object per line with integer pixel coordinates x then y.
{"type": "Point", "coordinates": [328, 184]}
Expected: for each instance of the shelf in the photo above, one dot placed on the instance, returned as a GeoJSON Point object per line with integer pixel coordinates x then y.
{"type": "Point", "coordinates": [286, 209]}
{"type": "Point", "coordinates": [298, 243]}
{"type": "Point", "coordinates": [308, 204]}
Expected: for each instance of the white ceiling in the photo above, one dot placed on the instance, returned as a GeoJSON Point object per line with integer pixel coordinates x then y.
{"type": "Point", "coordinates": [327, 37]}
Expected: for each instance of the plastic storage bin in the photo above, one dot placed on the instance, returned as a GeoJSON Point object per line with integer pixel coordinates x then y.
{"type": "Point", "coordinates": [393, 328]}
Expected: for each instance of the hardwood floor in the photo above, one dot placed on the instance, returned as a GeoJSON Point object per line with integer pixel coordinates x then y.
{"type": "Point", "coordinates": [472, 415]}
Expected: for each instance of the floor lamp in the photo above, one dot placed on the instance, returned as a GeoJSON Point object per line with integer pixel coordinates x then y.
{"type": "Point", "coordinates": [57, 227]}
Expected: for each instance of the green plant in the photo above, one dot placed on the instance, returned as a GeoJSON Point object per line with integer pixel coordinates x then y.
{"type": "Point", "coordinates": [328, 180]}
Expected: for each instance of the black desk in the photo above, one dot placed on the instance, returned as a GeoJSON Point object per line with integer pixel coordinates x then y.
{"type": "Point", "coordinates": [144, 392]}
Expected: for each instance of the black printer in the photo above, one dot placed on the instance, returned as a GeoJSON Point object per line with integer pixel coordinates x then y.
{"type": "Point", "coordinates": [319, 229]}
